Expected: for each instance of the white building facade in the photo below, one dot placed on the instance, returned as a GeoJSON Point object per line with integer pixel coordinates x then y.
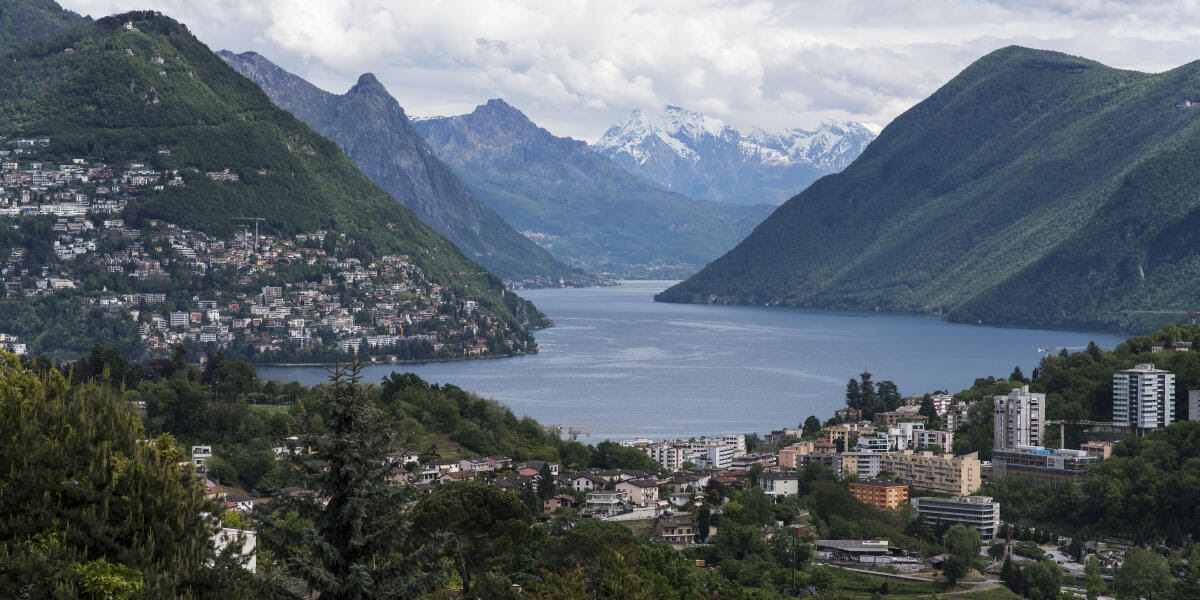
{"type": "Point", "coordinates": [1019, 418]}
{"type": "Point", "coordinates": [1144, 397]}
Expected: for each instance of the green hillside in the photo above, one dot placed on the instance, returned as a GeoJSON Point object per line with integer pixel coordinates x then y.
{"type": "Point", "coordinates": [22, 21]}
{"type": "Point", "coordinates": [140, 87]}
{"type": "Point", "coordinates": [986, 200]}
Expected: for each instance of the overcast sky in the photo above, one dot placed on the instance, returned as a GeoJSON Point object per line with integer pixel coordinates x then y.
{"type": "Point", "coordinates": [576, 67]}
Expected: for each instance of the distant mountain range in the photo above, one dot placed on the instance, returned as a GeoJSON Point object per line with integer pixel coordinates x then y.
{"type": "Point", "coordinates": [578, 204]}
{"type": "Point", "coordinates": [704, 158]}
{"type": "Point", "coordinates": [1034, 188]}
{"type": "Point", "coordinates": [371, 127]}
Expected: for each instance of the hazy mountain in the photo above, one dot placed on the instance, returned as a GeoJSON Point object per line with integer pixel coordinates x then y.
{"type": "Point", "coordinates": [1034, 188]}
{"type": "Point", "coordinates": [371, 127]}
{"type": "Point", "coordinates": [702, 157]}
{"type": "Point", "coordinates": [22, 21]}
{"type": "Point", "coordinates": [578, 204]}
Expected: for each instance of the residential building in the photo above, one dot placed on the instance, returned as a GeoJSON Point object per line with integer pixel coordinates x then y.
{"type": "Point", "coordinates": [863, 465]}
{"type": "Point", "coordinates": [200, 455]}
{"type": "Point", "coordinates": [641, 492]}
{"type": "Point", "coordinates": [941, 403]}
{"type": "Point", "coordinates": [1050, 467]}
{"type": "Point", "coordinates": [714, 456]}
{"type": "Point", "coordinates": [550, 505]}
{"type": "Point", "coordinates": [1101, 450]}
{"type": "Point", "coordinates": [1144, 397]}
{"type": "Point", "coordinates": [978, 512]}
{"type": "Point", "coordinates": [877, 443]}
{"type": "Point", "coordinates": [668, 454]}
{"type": "Point", "coordinates": [777, 485]}
{"type": "Point", "coordinates": [1194, 405]}
{"type": "Point", "coordinates": [882, 494]}
{"type": "Point", "coordinates": [923, 439]}
{"type": "Point", "coordinates": [787, 456]}
{"type": "Point", "coordinates": [737, 440]}
{"type": "Point", "coordinates": [945, 473]}
{"type": "Point", "coordinates": [676, 530]}
{"type": "Point", "coordinates": [884, 420]}
{"type": "Point", "coordinates": [605, 503]}
{"type": "Point", "coordinates": [957, 415]}
{"type": "Point", "coordinates": [1019, 418]}
{"type": "Point", "coordinates": [833, 461]}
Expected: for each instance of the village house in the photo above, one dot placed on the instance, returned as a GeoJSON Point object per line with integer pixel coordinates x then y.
{"type": "Point", "coordinates": [641, 492]}
{"type": "Point", "coordinates": [676, 530]}
{"type": "Point", "coordinates": [550, 505]}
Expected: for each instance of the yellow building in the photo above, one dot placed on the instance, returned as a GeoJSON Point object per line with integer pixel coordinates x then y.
{"type": "Point", "coordinates": [946, 473]}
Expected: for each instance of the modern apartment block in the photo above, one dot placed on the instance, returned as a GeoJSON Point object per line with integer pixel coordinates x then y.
{"type": "Point", "coordinates": [1019, 418]}
{"type": "Point", "coordinates": [1050, 467]}
{"type": "Point", "coordinates": [883, 494]}
{"type": "Point", "coordinates": [1194, 405]}
{"type": "Point", "coordinates": [864, 465]}
{"type": "Point", "coordinates": [978, 512]}
{"type": "Point", "coordinates": [956, 475]}
{"type": "Point", "coordinates": [922, 438]}
{"type": "Point", "coordinates": [1144, 397]}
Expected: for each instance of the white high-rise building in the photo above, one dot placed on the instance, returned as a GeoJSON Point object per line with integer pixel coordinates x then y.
{"type": "Point", "coordinates": [1194, 405]}
{"type": "Point", "coordinates": [1019, 418]}
{"type": "Point", "coordinates": [1144, 397]}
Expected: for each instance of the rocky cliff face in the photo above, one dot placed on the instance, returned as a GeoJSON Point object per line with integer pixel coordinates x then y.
{"type": "Point", "coordinates": [371, 127]}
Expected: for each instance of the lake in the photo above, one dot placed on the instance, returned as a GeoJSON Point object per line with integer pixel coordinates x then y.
{"type": "Point", "coordinates": [625, 366]}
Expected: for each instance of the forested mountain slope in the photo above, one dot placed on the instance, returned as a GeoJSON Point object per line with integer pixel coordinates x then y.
{"type": "Point", "coordinates": [371, 127]}
{"type": "Point", "coordinates": [1034, 188]}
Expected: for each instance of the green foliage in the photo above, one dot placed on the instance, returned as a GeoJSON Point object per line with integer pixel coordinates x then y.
{"type": "Point", "coordinates": [483, 527]}
{"type": "Point", "coordinates": [359, 544]}
{"type": "Point", "coordinates": [1043, 580]}
{"type": "Point", "coordinates": [962, 544]}
{"type": "Point", "coordinates": [22, 21]}
{"type": "Point", "coordinates": [91, 508]}
{"type": "Point", "coordinates": [1144, 574]}
{"type": "Point", "coordinates": [981, 203]}
{"type": "Point", "coordinates": [108, 98]}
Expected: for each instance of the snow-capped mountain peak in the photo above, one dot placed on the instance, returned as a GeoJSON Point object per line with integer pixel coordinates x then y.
{"type": "Point", "coordinates": [685, 150]}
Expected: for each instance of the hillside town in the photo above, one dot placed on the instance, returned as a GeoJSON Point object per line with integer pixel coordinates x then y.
{"type": "Point", "coordinates": [256, 295]}
{"type": "Point", "coordinates": [890, 462]}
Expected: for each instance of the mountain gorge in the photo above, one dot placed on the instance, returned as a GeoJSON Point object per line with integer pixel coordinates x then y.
{"type": "Point", "coordinates": [702, 157]}
{"type": "Point", "coordinates": [372, 129]}
{"type": "Point", "coordinates": [1034, 188]}
{"type": "Point", "coordinates": [578, 204]}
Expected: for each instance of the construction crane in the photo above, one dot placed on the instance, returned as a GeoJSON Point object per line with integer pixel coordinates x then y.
{"type": "Point", "coordinates": [256, 222]}
{"type": "Point", "coordinates": [1049, 349]}
{"type": "Point", "coordinates": [1062, 427]}
{"type": "Point", "coordinates": [573, 431]}
{"type": "Point", "coordinates": [1189, 311]}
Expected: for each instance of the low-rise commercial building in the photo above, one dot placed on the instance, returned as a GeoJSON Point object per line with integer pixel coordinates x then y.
{"type": "Point", "coordinates": [957, 475]}
{"type": "Point", "coordinates": [977, 512]}
{"type": "Point", "coordinates": [1051, 467]}
{"type": "Point", "coordinates": [882, 494]}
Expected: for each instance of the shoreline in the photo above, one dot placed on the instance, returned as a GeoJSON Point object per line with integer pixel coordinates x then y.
{"type": "Point", "coordinates": [421, 361]}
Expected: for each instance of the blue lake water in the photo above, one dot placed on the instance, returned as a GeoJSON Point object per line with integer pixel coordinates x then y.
{"type": "Point", "coordinates": [616, 358]}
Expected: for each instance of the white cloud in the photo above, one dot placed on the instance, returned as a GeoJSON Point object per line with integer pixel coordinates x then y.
{"type": "Point", "coordinates": [577, 66]}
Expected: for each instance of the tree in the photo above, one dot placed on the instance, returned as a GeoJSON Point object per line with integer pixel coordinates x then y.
{"type": "Point", "coordinates": [359, 545]}
{"type": "Point", "coordinates": [962, 544]}
{"type": "Point", "coordinates": [484, 525]}
{"type": "Point", "coordinates": [812, 425]}
{"type": "Point", "coordinates": [90, 507]}
{"type": "Point", "coordinates": [545, 487]}
{"type": "Point", "coordinates": [928, 411]}
{"type": "Point", "coordinates": [996, 551]}
{"type": "Point", "coordinates": [1010, 574]}
{"type": "Point", "coordinates": [1092, 580]}
{"type": "Point", "coordinates": [1043, 580]}
{"type": "Point", "coordinates": [853, 394]}
{"type": "Point", "coordinates": [1094, 351]}
{"type": "Point", "coordinates": [1017, 375]}
{"type": "Point", "coordinates": [1144, 574]}
{"type": "Point", "coordinates": [703, 522]}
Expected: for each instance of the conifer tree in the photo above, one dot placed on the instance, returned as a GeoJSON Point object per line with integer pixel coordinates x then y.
{"type": "Point", "coordinates": [358, 546]}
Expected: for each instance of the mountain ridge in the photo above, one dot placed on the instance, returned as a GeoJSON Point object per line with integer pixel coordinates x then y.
{"type": "Point", "coordinates": [703, 157]}
{"type": "Point", "coordinates": [374, 131]}
{"type": "Point", "coordinates": [975, 189]}
{"type": "Point", "coordinates": [584, 208]}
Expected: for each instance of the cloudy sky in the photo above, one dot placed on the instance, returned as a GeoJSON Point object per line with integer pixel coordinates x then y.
{"type": "Point", "coordinates": [577, 66]}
